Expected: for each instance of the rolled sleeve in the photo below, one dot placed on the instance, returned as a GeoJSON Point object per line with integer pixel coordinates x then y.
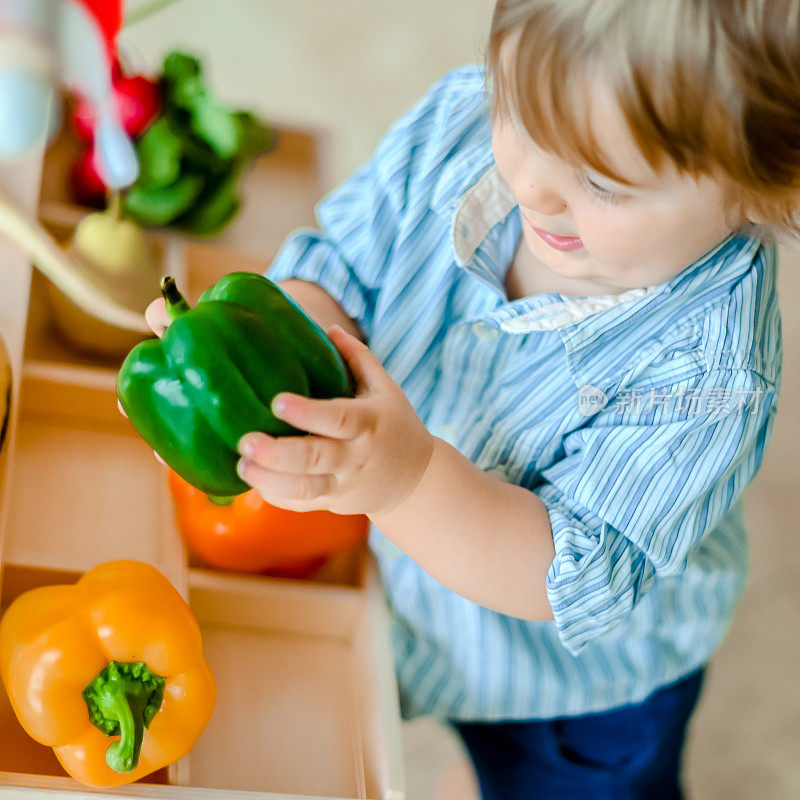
{"type": "Point", "coordinates": [352, 247]}
{"type": "Point", "coordinates": [633, 495]}
{"type": "Point", "coordinates": [312, 256]}
{"type": "Point", "coordinates": [361, 220]}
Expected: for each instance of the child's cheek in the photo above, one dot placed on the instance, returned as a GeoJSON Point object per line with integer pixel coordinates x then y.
{"type": "Point", "coordinates": [611, 237]}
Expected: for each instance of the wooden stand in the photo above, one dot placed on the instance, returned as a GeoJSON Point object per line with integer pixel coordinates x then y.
{"type": "Point", "coordinates": [307, 703]}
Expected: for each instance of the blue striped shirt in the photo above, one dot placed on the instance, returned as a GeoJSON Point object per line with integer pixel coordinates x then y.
{"type": "Point", "coordinates": [637, 419]}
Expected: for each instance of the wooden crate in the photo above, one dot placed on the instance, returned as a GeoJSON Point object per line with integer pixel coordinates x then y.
{"type": "Point", "coordinates": [307, 703]}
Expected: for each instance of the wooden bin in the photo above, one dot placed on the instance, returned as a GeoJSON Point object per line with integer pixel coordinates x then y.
{"type": "Point", "coordinates": [307, 703]}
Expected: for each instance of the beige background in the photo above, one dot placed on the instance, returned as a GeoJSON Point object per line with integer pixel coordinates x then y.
{"type": "Point", "coordinates": [351, 67]}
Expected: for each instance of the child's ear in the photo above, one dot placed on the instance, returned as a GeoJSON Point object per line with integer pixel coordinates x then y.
{"type": "Point", "coordinates": [755, 218]}
{"type": "Point", "coordinates": [740, 218]}
{"type": "Point", "coordinates": [737, 212]}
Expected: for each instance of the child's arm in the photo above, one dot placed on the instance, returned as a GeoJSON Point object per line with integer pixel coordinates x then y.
{"type": "Point", "coordinates": [481, 537]}
{"type": "Point", "coordinates": [320, 306]}
{"type": "Point", "coordinates": [581, 548]}
{"type": "Point", "coordinates": [486, 539]}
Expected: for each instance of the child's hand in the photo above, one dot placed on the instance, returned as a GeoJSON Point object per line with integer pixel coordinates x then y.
{"type": "Point", "coordinates": [156, 316]}
{"type": "Point", "coordinates": [365, 454]}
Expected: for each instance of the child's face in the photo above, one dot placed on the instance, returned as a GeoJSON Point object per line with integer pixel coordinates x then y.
{"type": "Point", "coordinates": [616, 237]}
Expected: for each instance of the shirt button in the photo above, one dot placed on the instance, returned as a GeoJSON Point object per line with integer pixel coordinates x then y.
{"type": "Point", "coordinates": [485, 330]}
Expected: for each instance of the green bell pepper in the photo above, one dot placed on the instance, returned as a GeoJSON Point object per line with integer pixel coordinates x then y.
{"type": "Point", "coordinates": [213, 375]}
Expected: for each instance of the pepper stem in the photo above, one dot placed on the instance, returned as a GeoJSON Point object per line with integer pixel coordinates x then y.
{"type": "Point", "coordinates": [176, 302]}
{"type": "Point", "coordinates": [221, 499]}
{"type": "Point", "coordinates": [123, 699]}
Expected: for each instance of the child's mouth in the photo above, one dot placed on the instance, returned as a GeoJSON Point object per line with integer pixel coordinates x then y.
{"type": "Point", "coordinates": [559, 242]}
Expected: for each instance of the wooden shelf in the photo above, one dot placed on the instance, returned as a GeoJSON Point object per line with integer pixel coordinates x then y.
{"type": "Point", "coordinates": [307, 702]}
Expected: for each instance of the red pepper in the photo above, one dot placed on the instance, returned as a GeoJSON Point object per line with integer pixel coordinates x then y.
{"type": "Point", "coordinates": [138, 103]}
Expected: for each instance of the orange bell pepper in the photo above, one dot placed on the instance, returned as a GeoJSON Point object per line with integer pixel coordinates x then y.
{"type": "Point", "coordinates": [251, 535]}
{"type": "Point", "coordinates": [109, 672]}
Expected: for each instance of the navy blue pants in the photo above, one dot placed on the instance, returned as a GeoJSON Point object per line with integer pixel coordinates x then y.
{"type": "Point", "coordinates": [628, 753]}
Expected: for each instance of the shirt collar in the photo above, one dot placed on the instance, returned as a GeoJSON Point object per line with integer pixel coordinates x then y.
{"type": "Point", "coordinates": [488, 200]}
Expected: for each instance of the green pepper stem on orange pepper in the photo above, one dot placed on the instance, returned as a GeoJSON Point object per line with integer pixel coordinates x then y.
{"type": "Point", "coordinates": [117, 653]}
{"type": "Point", "coordinates": [123, 699]}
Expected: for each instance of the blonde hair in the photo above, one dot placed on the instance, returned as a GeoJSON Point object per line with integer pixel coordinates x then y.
{"type": "Point", "coordinates": [712, 85]}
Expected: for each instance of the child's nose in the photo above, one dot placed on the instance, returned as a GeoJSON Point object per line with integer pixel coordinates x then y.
{"type": "Point", "coordinates": [544, 199]}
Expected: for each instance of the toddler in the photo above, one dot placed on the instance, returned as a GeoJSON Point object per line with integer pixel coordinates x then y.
{"type": "Point", "coordinates": [555, 285]}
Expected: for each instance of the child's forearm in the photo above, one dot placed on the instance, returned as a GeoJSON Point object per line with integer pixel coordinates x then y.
{"type": "Point", "coordinates": [320, 306]}
{"type": "Point", "coordinates": [486, 539]}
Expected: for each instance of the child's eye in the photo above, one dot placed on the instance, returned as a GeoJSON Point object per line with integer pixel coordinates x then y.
{"type": "Point", "coordinates": [597, 192]}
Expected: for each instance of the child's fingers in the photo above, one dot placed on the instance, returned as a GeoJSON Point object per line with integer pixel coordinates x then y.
{"type": "Point", "coordinates": [366, 369]}
{"type": "Point", "coordinates": [279, 487]}
{"type": "Point", "coordinates": [312, 455]}
{"type": "Point", "coordinates": [156, 316]}
{"type": "Point", "coordinates": [339, 418]}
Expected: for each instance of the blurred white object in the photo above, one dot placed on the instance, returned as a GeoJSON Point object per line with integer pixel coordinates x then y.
{"type": "Point", "coordinates": [44, 43]}
{"type": "Point", "coordinates": [26, 77]}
